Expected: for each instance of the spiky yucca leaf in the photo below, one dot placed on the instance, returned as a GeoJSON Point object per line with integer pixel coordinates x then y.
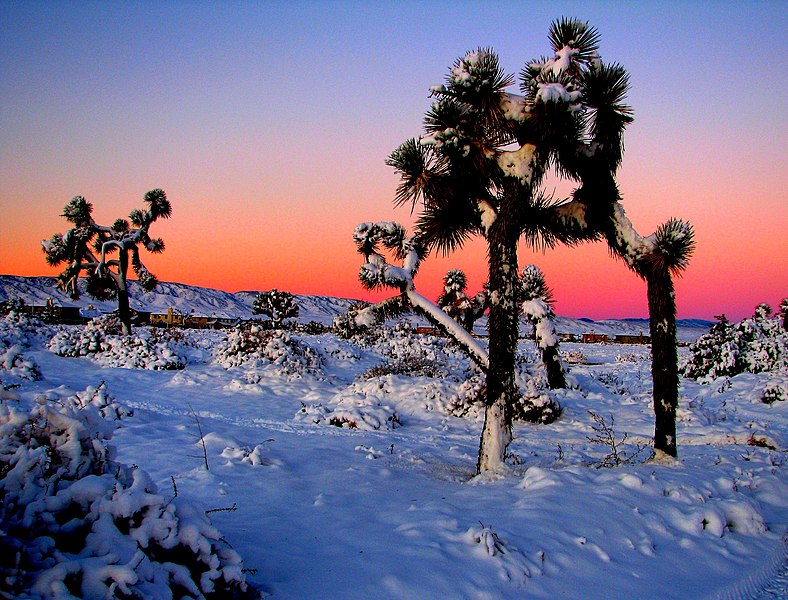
{"type": "Point", "coordinates": [476, 76]}
{"type": "Point", "coordinates": [78, 211]}
{"type": "Point", "coordinates": [137, 218]}
{"type": "Point", "coordinates": [533, 285]}
{"type": "Point", "coordinates": [445, 114]}
{"type": "Point", "coordinates": [455, 280]}
{"type": "Point", "coordinates": [155, 245]}
{"type": "Point", "coordinates": [674, 243]}
{"type": "Point", "coordinates": [576, 34]}
{"type": "Point", "coordinates": [55, 249]}
{"type": "Point", "coordinates": [446, 226]}
{"type": "Point", "coordinates": [120, 225]}
{"type": "Point", "coordinates": [413, 162]}
{"type": "Point", "coordinates": [158, 205]}
{"type": "Point", "coordinates": [605, 90]}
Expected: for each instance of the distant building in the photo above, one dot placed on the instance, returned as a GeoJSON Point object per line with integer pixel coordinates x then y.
{"type": "Point", "coordinates": [595, 338]}
{"type": "Point", "coordinates": [633, 339]}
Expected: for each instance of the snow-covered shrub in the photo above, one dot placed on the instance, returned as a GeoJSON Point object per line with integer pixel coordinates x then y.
{"type": "Point", "coordinates": [533, 405]}
{"type": "Point", "coordinates": [631, 357]}
{"type": "Point", "coordinates": [411, 366]}
{"type": "Point", "coordinates": [253, 344]}
{"type": "Point", "coordinates": [360, 406]}
{"type": "Point", "coordinates": [613, 381]}
{"type": "Point", "coordinates": [513, 564]}
{"type": "Point", "coordinates": [311, 328]}
{"type": "Point", "coordinates": [574, 357]}
{"type": "Point", "coordinates": [346, 326]}
{"type": "Point", "coordinates": [146, 349]}
{"type": "Point", "coordinates": [754, 345]}
{"type": "Point", "coordinates": [774, 392]}
{"type": "Point", "coordinates": [469, 399]}
{"type": "Point", "coordinates": [76, 523]}
{"type": "Point", "coordinates": [16, 333]}
{"type": "Point", "coordinates": [606, 436]}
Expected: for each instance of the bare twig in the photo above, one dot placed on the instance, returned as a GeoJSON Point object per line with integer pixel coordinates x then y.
{"type": "Point", "coordinates": [605, 435]}
{"type": "Point", "coordinates": [232, 508]}
{"type": "Point", "coordinates": [202, 437]}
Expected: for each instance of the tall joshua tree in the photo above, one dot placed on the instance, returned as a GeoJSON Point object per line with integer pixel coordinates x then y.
{"type": "Point", "coordinates": [90, 247]}
{"type": "Point", "coordinates": [478, 170]}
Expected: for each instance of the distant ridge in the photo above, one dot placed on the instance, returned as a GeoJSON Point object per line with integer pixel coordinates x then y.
{"type": "Point", "coordinates": [208, 301]}
{"type": "Point", "coordinates": [179, 296]}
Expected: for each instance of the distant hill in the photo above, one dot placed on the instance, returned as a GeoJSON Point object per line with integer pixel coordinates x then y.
{"type": "Point", "coordinates": [207, 301]}
{"type": "Point", "coordinates": [185, 298]}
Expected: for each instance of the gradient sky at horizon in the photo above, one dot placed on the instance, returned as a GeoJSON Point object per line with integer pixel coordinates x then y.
{"type": "Point", "coordinates": [268, 125]}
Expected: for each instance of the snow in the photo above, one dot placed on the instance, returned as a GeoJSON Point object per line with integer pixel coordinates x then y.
{"type": "Point", "coordinates": [556, 92]}
{"type": "Point", "coordinates": [518, 163]}
{"type": "Point", "coordinates": [514, 106]}
{"type": "Point", "coordinates": [389, 509]}
{"type": "Point", "coordinates": [488, 215]}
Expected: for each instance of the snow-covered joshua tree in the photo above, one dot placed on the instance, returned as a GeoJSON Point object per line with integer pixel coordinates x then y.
{"type": "Point", "coordinates": [464, 309]}
{"type": "Point", "coordinates": [536, 300]}
{"type": "Point", "coordinates": [372, 240]}
{"type": "Point", "coordinates": [478, 171]}
{"type": "Point", "coordinates": [88, 247]}
{"type": "Point", "coordinates": [276, 305]}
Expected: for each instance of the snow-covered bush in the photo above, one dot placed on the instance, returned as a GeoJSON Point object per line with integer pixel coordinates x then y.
{"type": "Point", "coordinates": [16, 333]}
{"type": "Point", "coordinates": [774, 392]}
{"type": "Point", "coordinates": [533, 405]}
{"type": "Point", "coordinates": [469, 399]}
{"type": "Point", "coordinates": [574, 357]}
{"type": "Point", "coordinates": [632, 357]}
{"type": "Point", "coordinates": [411, 366]}
{"type": "Point", "coordinates": [146, 349]}
{"type": "Point", "coordinates": [346, 326]}
{"type": "Point", "coordinates": [255, 345]}
{"type": "Point", "coordinates": [754, 345]}
{"type": "Point", "coordinates": [360, 406]}
{"type": "Point", "coordinates": [78, 524]}
{"type": "Point", "coordinates": [311, 328]}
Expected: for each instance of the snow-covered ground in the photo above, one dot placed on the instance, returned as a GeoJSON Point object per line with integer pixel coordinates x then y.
{"type": "Point", "coordinates": [387, 507]}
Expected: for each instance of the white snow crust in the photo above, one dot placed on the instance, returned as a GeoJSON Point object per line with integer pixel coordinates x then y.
{"type": "Point", "coordinates": [389, 508]}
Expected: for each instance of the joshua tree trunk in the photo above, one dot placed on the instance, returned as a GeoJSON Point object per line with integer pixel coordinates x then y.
{"type": "Point", "coordinates": [664, 365]}
{"type": "Point", "coordinates": [504, 331]}
{"type": "Point", "coordinates": [552, 364]}
{"type": "Point", "coordinates": [124, 312]}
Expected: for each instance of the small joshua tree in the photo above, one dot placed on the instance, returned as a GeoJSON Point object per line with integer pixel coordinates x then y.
{"type": "Point", "coordinates": [88, 247]}
{"type": "Point", "coordinates": [372, 239]}
{"type": "Point", "coordinates": [457, 304]}
{"type": "Point", "coordinates": [536, 301]}
{"type": "Point", "coordinates": [276, 305]}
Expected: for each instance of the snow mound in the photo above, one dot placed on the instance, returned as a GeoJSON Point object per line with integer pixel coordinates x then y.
{"type": "Point", "coordinates": [76, 523]}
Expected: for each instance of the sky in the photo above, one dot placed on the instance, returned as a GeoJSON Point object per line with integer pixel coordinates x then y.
{"type": "Point", "coordinates": [268, 125]}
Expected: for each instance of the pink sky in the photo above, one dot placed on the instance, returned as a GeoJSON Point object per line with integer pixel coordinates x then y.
{"type": "Point", "coordinates": [268, 127]}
